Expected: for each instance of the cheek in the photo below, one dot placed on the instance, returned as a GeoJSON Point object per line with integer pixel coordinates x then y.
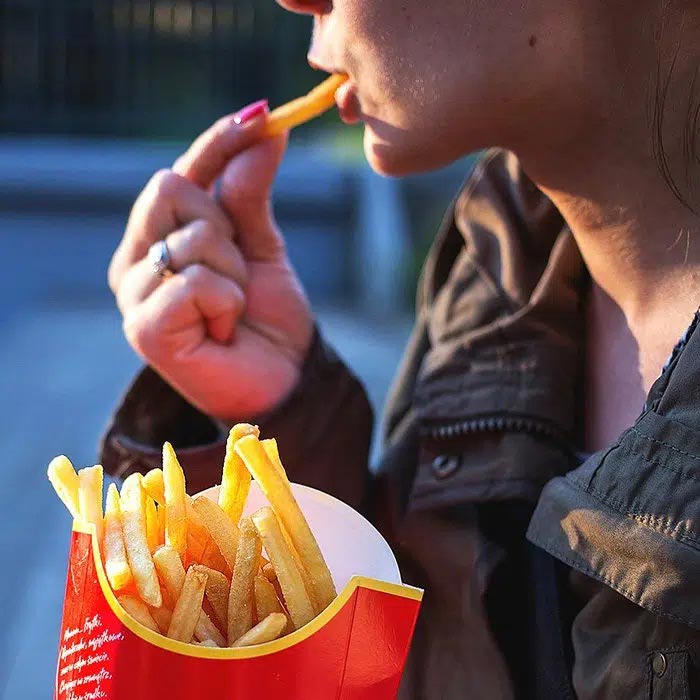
{"type": "Point", "coordinates": [437, 80]}
{"type": "Point", "coordinates": [389, 60]}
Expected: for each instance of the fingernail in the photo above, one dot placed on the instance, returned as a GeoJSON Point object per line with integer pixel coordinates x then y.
{"type": "Point", "coordinates": [249, 113]}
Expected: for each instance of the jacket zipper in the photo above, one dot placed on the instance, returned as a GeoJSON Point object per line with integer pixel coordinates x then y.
{"type": "Point", "coordinates": [520, 424]}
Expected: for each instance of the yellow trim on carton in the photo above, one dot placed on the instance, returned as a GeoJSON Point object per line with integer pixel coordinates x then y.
{"type": "Point", "coordinates": [245, 652]}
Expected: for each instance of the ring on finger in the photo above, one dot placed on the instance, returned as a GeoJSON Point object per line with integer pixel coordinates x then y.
{"type": "Point", "coordinates": [160, 260]}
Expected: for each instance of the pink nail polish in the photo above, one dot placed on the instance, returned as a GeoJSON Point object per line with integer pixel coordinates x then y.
{"type": "Point", "coordinates": [249, 113]}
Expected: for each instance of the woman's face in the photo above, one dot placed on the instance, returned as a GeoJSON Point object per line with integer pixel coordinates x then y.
{"type": "Point", "coordinates": [433, 80]}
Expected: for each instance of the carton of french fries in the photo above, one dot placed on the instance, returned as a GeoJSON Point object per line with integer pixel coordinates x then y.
{"type": "Point", "coordinates": [258, 588]}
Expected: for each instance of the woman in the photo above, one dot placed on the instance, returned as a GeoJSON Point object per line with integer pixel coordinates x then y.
{"type": "Point", "coordinates": [532, 397]}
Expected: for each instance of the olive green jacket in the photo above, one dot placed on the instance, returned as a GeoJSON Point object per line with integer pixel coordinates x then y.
{"type": "Point", "coordinates": [545, 578]}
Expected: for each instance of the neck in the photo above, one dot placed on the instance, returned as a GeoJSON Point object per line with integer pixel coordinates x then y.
{"type": "Point", "coordinates": [640, 242]}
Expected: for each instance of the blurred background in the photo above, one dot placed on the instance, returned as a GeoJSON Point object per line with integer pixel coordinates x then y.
{"type": "Point", "coordinates": [95, 95]}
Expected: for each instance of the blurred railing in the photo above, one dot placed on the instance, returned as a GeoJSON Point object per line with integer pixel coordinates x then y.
{"type": "Point", "coordinates": [158, 68]}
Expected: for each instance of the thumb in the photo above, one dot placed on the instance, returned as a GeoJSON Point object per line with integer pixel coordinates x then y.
{"type": "Point", "coordinates": [245, 194]}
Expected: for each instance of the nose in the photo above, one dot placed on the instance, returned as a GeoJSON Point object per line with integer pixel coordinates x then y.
{"type": "Point", "coordinates": [318, 9]}
{"type": "Point", "coordinates": [319, 56]}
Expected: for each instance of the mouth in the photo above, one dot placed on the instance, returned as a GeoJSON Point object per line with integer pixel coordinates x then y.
{"type": "Point", "coordinates": [348, 103]}
{"type": "Point", "coordinates": [346, 97]}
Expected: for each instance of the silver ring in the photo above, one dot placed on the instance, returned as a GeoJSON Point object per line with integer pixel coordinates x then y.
{"type": "Point", "coordinates": [159, 259]}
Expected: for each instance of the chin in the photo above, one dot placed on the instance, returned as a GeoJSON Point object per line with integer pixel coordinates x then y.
{"type": "Point", "coordinates": [397, 158]}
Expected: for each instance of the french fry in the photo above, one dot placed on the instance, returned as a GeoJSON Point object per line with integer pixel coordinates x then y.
{"type": "Point", "coordinates": [235, 478]}
{"type": "Point", "coordinates": [206, 629]}
{"type": "Point", "coordinates": [194, 523]}
{"type": "Point", "coordinates": [198, 537]}
{"type": "Point", "coordinates": [273, 453]}
{"type": "Point", "coordinates": [168, 601]}
{"type": "Point", "coordinates": [291, 583]}
{"type": "Point", "coordinates": [220, 527]}
{"type": "Point", "coordinates": [175, 501]}
{"type": "Point", "coordinates": [65, 482]}
{"type": "Point", "coordinates": [188, 607]}
{"type": "Point", "coordinates": [193, 569]}
{"type": "Point", "coordinates": [162, 617]}
{"type": "Point", "coordinates": [152, 533]}
{"type": "Point", "coordinates": [154, 485]}
{"type": "Point", "coordinates": [172, 574]}
{"type": "Point", "coordinates": [213, 559]}
{"type": "Point", "coordinates": [269, 572]}
{"type": "Point", "coordinates": [170, 570]}
{"type": "Point", "coordinates": [160, 510]}
{"type": "Point", "coordinates": [305, 574]}
{"type": "Point", "coordinates": [139, 611]}
{"type": "Point", "coordinates": [285, 506]}
{"type": "Point", "coordinates": [113, 548]}
{"type": "Point", "coordinates": [133, 507]}
{"type": "Point", "coordinates": [90, 497]}
{"type": "Point", "coordinates": [241, 601]}
{"type": "Point", "coordinates": [217, 593]}
{"type": "Point", "coordinates": [303, 109]}
{"type": "Point", "coordinates": [266, 631]}
{"type": "Point", "coordinates": [267, 602]}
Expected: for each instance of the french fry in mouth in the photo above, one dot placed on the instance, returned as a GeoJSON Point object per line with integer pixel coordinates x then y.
{"type": "Point", "coordinates": [304, 109]}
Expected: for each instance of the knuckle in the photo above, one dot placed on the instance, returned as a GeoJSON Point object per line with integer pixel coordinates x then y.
{"type": "Point", "coordinates": [210, 238]}
{"type": "Point", "coordinates": [165, 183]}
{"type": "Point", "coordinates": [112, 275]}
{"type": "Point", "coordinates": [140, 334]}
{"type": "Point", "coordinates": [200, 237]}
{"type": "Point", "coordinates": [238, 299]}
{"type": "Point", "coordinates": [195, 276]}
{"type": "Point", "coordinates": [179, 163]}
{"type": "Point", "coordinates": [240, 268]}
{"type": "Point", "coordinates": [126, 291]}
{"type": "Point", "coordinates": [225, 124]}
{"type": "Point", "coordinates": [187, 238]}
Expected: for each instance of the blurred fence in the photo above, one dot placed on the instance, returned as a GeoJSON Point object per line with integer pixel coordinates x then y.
{"type": "Point", "coordinates": [143, 67]}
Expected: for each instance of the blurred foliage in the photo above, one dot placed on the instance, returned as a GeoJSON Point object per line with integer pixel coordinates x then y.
{"type": "Point", "coordinates": [146, 68]}
{"type": "Point", "coordinates": [427, 198]}
{"type": "Point", "coordinates": [346, 143]}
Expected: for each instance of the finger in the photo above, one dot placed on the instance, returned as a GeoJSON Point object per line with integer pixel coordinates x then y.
{"type": "Point", "coordinates": [182, 312]}
{"type": "Point", "coordinates": [206, 158]}
{"type": "Point", "coordinates": [168, 202]}
{"type": "Point", "coordinates": [245, 195]}
{"type": "Point", "coordinates": [136, 285]}
{"type": "Point", "coordinates": [200, 242]}
{"type": "Point", "coordinates": [196, 243]}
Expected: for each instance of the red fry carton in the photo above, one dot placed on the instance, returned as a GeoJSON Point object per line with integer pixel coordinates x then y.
{"type": "Point", "coordinates": [355, 649]}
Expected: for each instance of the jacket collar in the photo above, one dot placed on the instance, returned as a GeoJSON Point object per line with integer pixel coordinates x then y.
{"type": "Point", "coordinates": [503, 298]}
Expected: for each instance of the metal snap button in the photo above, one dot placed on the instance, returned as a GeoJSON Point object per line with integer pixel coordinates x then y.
{"type": "Point", "coordinates": [445, 466]}
{"type": "Point", "coordinates": [659, 664]}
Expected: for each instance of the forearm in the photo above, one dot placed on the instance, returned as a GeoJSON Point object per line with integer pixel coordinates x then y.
{"type": "Point", "coordinates": [323, 430]}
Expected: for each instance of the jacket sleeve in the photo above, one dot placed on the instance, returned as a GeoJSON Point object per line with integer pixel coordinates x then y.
{"type": "Point", "coordinates": [323, 430]}
{"type": "Point", "coordinates": [627, 519]}
{"type": "Point", "coordinates": [622, 650]}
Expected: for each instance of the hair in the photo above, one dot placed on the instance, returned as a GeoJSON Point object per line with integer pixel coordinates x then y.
{"type": "Point", "coordinates": [683, 188]}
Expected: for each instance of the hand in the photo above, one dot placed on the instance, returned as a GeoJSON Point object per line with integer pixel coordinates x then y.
{"type": "Point", "coordinates": [231, 328]}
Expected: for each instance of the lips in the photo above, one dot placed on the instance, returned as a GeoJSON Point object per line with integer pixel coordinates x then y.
{"type": "Point", "coordinates": [348, 103]}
